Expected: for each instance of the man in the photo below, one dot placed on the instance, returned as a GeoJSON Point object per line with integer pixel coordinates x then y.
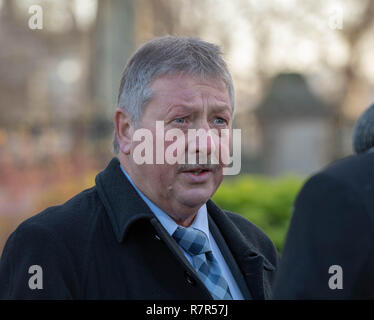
{"type": "Point", "coordinates": [328, 252]}
{"type": "Point", "coordinates": [148, 230]}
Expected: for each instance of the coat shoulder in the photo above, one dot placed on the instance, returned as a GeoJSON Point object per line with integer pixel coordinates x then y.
{"type": "Point", "coordinates": [352, 168]}
{"type": "Point", "coordinates": [71, 224]}
{"type": "Point", "coordinates": [56, 240]}
{"type": "Point", "coordinates": [70, 214]}
{"type": "Point", "coordinates": [348, 180]}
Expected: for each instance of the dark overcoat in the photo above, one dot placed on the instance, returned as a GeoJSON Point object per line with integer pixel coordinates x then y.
{"type": "Point", "coordinates": [105, 243]}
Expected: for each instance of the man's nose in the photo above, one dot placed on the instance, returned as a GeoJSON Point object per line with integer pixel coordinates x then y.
{"type": "Point", "coordinates": [201, 142]}
{"type": "Point", "coordinates": [203, 139]}
{"type": "Point", "coordinates": [204, 143]}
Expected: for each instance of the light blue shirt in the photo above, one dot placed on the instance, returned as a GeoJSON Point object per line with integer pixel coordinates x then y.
{"type": "Point", "coordinates": [200, 222]}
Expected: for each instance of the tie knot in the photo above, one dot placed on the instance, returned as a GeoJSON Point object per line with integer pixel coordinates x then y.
{"type": "Point", "coordinates": [192, 240]}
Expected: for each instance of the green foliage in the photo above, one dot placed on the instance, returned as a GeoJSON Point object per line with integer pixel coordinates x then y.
{"type": "Point", "coordinates": [266, 202]}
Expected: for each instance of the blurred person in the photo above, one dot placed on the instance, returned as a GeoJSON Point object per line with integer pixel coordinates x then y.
{"type": "Point", "coordinates": [149, 231]}
{"type": "Point", "coordinates": [328, 253]}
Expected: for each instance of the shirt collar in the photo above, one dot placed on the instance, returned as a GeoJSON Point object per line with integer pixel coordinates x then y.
{"type": "Point", "coordinates": [200, 222]}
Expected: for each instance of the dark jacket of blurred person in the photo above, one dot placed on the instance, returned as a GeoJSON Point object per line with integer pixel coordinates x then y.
{"type": "Point", "coordinates": [329, 250]}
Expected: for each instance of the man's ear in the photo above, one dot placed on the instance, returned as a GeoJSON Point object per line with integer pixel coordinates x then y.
{"type": "Point", "coordinates": [123, 127]}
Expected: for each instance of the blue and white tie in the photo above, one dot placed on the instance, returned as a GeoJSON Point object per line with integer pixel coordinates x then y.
{"type": "Point", "coordinates": [196, 243]}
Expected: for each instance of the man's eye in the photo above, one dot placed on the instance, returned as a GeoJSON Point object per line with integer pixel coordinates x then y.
{"type": "Point", "coordinates": [180, 120]}
{"type": "Point", "coordinates": [219, 121]}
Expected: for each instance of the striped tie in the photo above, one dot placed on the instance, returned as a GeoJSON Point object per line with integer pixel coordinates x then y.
{"type": "Point", "coordinates": [196, 243]}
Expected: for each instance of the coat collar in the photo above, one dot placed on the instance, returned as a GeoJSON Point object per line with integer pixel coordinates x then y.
{"type": "Point", "coordinates": [121, 201]}
{"type": "Point", "coordinates": [125, 207]}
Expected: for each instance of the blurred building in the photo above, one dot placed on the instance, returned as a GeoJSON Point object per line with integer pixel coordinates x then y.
{"type": "Point", "coordinates": [295, 126]}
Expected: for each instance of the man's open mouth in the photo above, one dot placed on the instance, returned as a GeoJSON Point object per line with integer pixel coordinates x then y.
{"type": "Point", "coordinates": [197, 172]}
{"type": "Point", "coordinates": [197, 169]}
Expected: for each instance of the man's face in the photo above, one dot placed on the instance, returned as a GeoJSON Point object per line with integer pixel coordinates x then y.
{"type": "Point", "coordinates": [182, 102]}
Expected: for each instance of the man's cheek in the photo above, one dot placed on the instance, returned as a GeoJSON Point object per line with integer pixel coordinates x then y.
{"type": "Point", "coordinates": [225, 145]}
{"type": "Point", "coordinates": [175, 150]}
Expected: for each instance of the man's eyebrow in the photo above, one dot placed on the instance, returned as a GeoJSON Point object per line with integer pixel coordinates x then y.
{"type": "Point", "coordinates": [179, 106]}
{"type": "Point", "coordinates": [217, 107]}
{"type": "Point", "coordinates": [223, 107]}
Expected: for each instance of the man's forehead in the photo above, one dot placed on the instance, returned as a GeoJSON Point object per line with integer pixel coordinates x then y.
{"type": "Point", "coordinates": [188, 88]}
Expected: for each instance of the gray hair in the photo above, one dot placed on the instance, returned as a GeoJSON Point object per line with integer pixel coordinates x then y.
{"type": "Point", "coordinates": [168, 55]}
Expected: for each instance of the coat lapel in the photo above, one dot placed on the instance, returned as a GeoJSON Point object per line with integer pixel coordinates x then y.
{"type": "Point", "coordinates": [230, 260]}
{"type": "Point", "coordinates": [251, 263]}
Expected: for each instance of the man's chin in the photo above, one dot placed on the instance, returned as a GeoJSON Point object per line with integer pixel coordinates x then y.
{"type": "Point", "coordinates": [194, 199]}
